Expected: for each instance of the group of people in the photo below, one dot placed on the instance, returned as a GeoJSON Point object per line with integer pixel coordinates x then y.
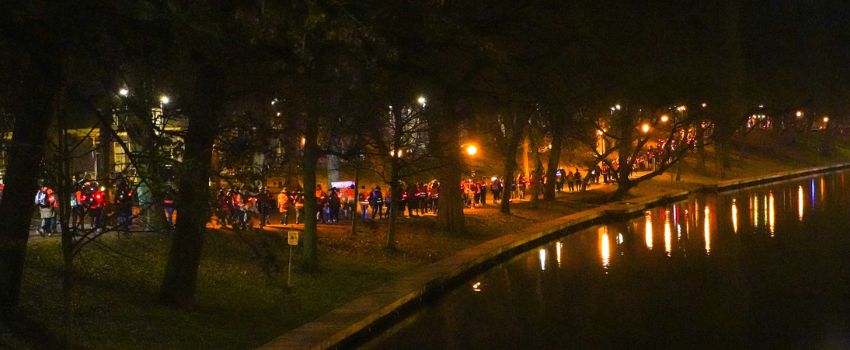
{"type": "Point", "coordinates": [416, 198]}
{"type": "Point", "coordinates": [88, 200]}
{"type": "Point", "coordinates": [475, 192]}
{"type": "Point", "coordinates": [240, 208]}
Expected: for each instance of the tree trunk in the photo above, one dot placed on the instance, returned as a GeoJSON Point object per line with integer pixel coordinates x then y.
{"type": "Point", "coordinates": [700, 140]}
{"type": "Point", "coordinates": [38, 99]}
{"type": "Point", "coordinates": [536, 175]}
{"type": "Point", "coordinates": [395, 198]}
{"type": "Point", "coordinates": [181, 272]}
{"type": "Point", "coordinates": [355, 213]}
{"type": "Point", "coordinates": [309, 257]}
{"type": "Point", "coordinates": [450, 213]}
{"type": "Point", "coordinates": [510, 169]}
{"type": "Point", "coordinates": [622, 189]}
{"type": "Point", "coordinates": [554, 160]}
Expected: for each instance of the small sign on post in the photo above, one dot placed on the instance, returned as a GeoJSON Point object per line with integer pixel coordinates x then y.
{"type": "Point", "coordinates": [292, 238]}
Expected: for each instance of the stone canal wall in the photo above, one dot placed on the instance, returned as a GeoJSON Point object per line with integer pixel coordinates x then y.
{"type": "Point", "coordinates": [355, 322]}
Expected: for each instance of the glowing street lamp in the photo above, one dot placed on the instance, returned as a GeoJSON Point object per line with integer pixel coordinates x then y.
{"type": "Point", "coordinates": [422, 100]}
{"type": "Point", "coordinates": [124, 92]}
{"type": "Point", "coordinates": [799, 114]}
{"type": "Point", "coordinates": [644, 128]}
{"type": "Point", "coordinates": [681, 108]}
{"type": "Point", "coordinates": [164, 99]}
{"type": "Point", "coordinates": [704, 105]}
{"type": "Point", "coordinates": [664, 118]}
{"type": "Point", "coordinates": [825, 119]}
{"type": "Point", "coordinates": [471, 150]}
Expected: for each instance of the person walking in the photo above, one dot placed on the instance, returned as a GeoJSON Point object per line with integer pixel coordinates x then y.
{"type": "Point", "coordinates": [578, 183]}
{"type": "Point", "coordinates": [376, 202]}
{"type": "Point", "coordinates": [46, 204]}
{"type": "Point", "coordinates": [283, 206]}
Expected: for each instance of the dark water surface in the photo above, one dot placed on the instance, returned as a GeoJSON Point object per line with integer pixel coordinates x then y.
{"type": "Point", "coordinates": [767, 267]}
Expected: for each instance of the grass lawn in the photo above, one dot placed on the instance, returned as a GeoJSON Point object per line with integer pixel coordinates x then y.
{"type": "Point", "coordinates": [238, 305]}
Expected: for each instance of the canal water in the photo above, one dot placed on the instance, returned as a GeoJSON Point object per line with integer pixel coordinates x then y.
{"type": "Point", "coordinates": [766, 267]}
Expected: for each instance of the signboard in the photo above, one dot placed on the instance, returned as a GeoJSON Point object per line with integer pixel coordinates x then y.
{"type": "Point", "coordinates": [292, 237]}
{"type": "Point", "coordinates": [342, 184]}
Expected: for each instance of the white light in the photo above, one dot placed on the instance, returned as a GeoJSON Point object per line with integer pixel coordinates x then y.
{"type": "Point", "coordinates": [761, 106]}
{"type": "Point", "coordinates": [704, 105]}
{"type": "Point", "coordinates": [617, 107]}
{"type": "Point", "coordinates": [124, 92]}
{"type": "Point", "coordinates": [422, 100]}
{"type": "Point", "coordinates": [164, 99]}
{"type": "Point", "coordinates": [542, 254]}
{"type": "Point", "coordinates": [799, 114]}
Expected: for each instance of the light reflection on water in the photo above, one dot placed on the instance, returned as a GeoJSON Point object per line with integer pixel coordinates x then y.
{"type": "Point", "coordinates": [749, 277]}
{"type": "Point", "coordinates": [734, 216]}
{"type": "Point", "coordinates": [648, 229]}
{"type": "Point", "coordinates": [604, 247]}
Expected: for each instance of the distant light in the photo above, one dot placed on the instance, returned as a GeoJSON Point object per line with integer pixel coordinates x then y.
{"type": "Point", "coordinates": [704, 105]}
{"type": "Point", "coordinates": [825, 119]}
{"type": "Point", "coordinates": [617, 107]}
{"type": "Point", "coordinates": [664, 118]}
{"type": "Point", "coordinates": [124, 92]}
{"type": "Point", "coordinates": [422, 100]}
{"type": "Point", "coordinates": [550, 146]}
{"type": "Point", "coordinates": [476, 286]}
{"type": "Point", "coordinates": [761, 106]}
{"type": "Point", "coordinates": [599, 132]}
{"type": "Point", "coordinates": [278, 114]}
{"type": "Point", "coordinates": [303, 141]}
{"type": "Point", "coordinates": [799, 114]}
{"type": "Point", "coordinates": [471, 150]}
{"type": "Point", "coordinates": [645, 128]}
{"type": "Point", "coordinates": [164, 99]}
{"type": "Point", "coordinates": [681, 108]}
{"type": "Point", "coordinates": [613, 109]}
{"type": "Point", "coordinates": [274, 102]}
{"type": "Point", "coordinates": [494, 178]}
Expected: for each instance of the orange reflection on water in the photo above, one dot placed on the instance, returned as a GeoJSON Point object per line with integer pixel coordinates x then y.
{"type": "Point", "coordinates": [756, 212]}
{"type": "Point", "coordinates": [800, 202]}
{"type": "Point", "coordinates": [558, 247]}
{"type": "Point", "coordinates": [771, 214]}
{"type": "Point", "coordinates": [648, 229]}
{"type": "Point", "coordinates": [668, 245]}
{"type": "Point", "coordinates": [734, 216]}
{"type": "Point", "coordinates": [604, 247]}
{"type": "Point", "coordinates": [707, 230]}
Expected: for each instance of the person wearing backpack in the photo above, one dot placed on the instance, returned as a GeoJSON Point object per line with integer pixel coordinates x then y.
{"type": "Point", "coordinates": [376, 202]}
{"type": "Point", "coordinates": [46, 204]}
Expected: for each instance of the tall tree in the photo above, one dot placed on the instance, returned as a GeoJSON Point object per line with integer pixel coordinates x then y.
{"type": "Point", "coordinates": [35, 34]}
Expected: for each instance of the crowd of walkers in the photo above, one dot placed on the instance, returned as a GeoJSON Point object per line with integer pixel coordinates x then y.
{"type": "Point", "coordinates": [243, 207]}
{"type": "Point", "coordinates": [239, 208]}
{"type": "Point", "coordinates": [88, 203]}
